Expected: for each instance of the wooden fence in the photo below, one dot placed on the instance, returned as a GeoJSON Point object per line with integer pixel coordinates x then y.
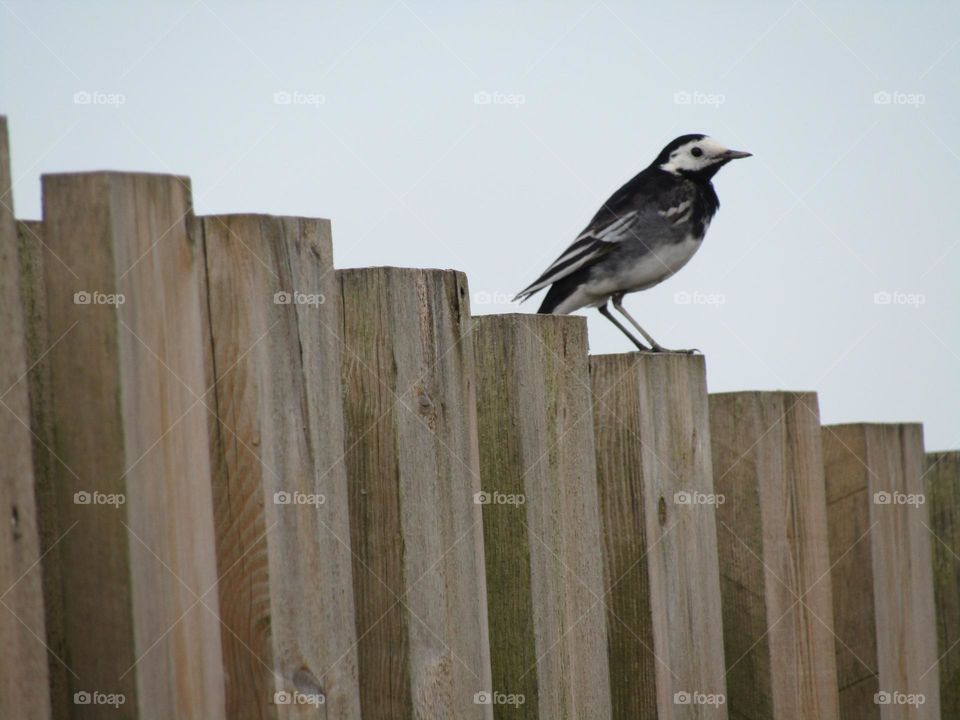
{"type": "Point", "coordinates": [239, 483]}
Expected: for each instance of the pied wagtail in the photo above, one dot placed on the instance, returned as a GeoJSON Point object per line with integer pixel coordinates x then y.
{"type": "Point", "coordinates": [645, 232]}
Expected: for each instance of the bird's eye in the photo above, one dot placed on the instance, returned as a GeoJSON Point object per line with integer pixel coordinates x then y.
{"type": "Point", "coordinates": [696, 152]}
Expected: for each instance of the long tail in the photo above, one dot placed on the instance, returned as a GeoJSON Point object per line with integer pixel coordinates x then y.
{"type": "Point", "coordinates": [555, 295]}
{"type": "Point", "coordinates": [561, 290]}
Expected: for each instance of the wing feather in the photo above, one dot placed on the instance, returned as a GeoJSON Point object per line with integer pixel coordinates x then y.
{"type": "Point", "coordinates": [635, 211]}
{"type": "Point", "coordinates": [593, 243]}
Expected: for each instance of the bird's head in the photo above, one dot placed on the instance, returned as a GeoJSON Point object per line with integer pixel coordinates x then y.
{"type": "Point", "coordinates": [698, 156]}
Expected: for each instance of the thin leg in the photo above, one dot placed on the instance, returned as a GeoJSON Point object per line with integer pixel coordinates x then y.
{"type": "Point", "coordinates": [605, 311]}
{"type": "Point", "coordinates": [657, 347]}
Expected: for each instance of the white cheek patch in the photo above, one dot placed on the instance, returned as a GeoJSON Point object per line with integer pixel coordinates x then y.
{"type": "Point", "coordinates": [682, 159]}
{"type": "Point", "coordinates": [672, 165]}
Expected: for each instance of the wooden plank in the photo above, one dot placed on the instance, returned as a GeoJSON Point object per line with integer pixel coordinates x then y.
{"type": "Point", "coordinates": [882, 578]}
{"type": "Point", "coordinates": [23, 657]}
{"type": "Point", "coordinates": [943, 496]}
{"type": "Point", "coordinates": [774, 560]}
{"type": "Point", "coordinates": [279, 488]}
{"type": "Point", "coordinates": [652, 432]}
{"type": "Point", "coordinates": [412, 470]}
{"type": "Point", "coordinates": [31, 253]}
{"type": "Point", "coordinates": [132, 475]}
{"type": "Point", "coordinates": [541, 526]}
{"type": "Point", "coordinates": [618, 421]}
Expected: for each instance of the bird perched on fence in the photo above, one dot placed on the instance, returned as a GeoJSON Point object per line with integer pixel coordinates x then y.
{"type": "Point", "coordinates": [643, 234]}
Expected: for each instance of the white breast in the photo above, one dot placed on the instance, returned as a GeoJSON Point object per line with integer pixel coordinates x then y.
{"type": "Point", "coordinates": [650, 269]}
{"type": "Point", "coordinates": [644, 272]}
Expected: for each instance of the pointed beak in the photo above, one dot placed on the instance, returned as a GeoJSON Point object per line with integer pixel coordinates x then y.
{"type": "Point", "coordinates": [736, 154]}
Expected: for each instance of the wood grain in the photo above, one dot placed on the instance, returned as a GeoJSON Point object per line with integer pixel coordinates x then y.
{"type": "Point", "coordinates": [880, 554]}
{"type": "Point", "coordinates": [138, 576]}
{"type": "Point", "coordinates": [23, 657]}
{"type": "Point", "coordinates": [661, 571]}
{"type": "Point", "coordinates": [280, 491]}
{"type": "Point", "coordinates": [541, 524]}
{"type": "Point", "coordinates": [774, 560]}
{"type": "Point", "coordinates": [943, 496]}
{"type": "Point", "coordinates": [412, 468]}
{"type": "Point", "coordinates": [31, 254]}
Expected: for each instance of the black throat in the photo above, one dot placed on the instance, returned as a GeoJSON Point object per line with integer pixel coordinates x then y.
{"type": "Point", "coordinates": [705, 200]}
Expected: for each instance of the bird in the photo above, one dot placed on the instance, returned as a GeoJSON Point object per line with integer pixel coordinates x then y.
{"type": "Point", "coordinates": [643, 234]}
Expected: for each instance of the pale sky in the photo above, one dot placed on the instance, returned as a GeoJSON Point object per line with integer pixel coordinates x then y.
{"type": "Point", "coordinates": [484, 137]}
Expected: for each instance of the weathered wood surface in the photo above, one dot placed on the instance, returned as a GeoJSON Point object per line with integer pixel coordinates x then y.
{"type": "Point", "coordinates": [652, 432]}
{"type": "Point", "coordinates": [540, 518]}
{"type": "Point", "coordinates": [774, 560]}
{"type": "Point", "coordinates": [32, 254]}
{"type": "Point", "coordinates": [881, 559]}
{"type": "Point", "coordinates": [279, 481]}
{"type": "Point", "coordinates": [943, 497]}
{"type": "Point", "coordinates": [412, 468]}
{"type": "Point", "coordinates": [132, 479]}
{"type": "Point", "coordinates": [23, 658]}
